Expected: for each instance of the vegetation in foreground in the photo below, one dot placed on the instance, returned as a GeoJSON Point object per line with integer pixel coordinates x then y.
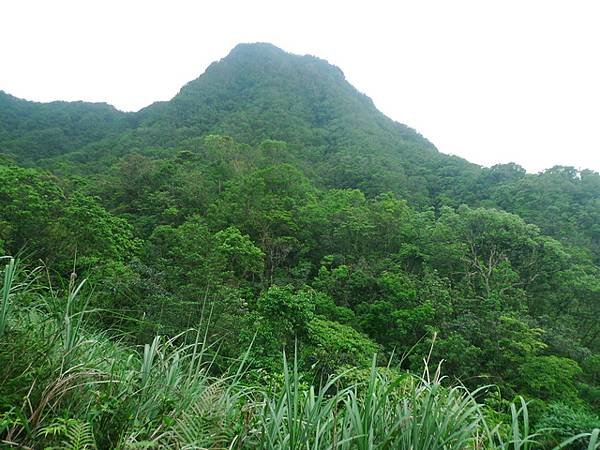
{"type": "Point", "coordinates": [66, 385]}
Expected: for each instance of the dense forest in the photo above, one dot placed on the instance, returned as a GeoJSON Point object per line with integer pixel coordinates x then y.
{"type": "Point", "coordinates": [267, 261]}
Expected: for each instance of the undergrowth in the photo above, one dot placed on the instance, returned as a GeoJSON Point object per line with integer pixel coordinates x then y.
{"type": "Point", "coordinates": [66, 385]}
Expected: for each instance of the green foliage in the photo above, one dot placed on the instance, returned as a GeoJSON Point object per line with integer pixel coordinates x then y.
{"type": "Point", "coordinates": [333, 345]}
{"type": "Point", "coordinates": [272, 198]}
{"type": "Point", "coordinates": [107, 395]}
{"type": "Point", "coordinates": [6, 293]}
{"type": "Point", "coordinates": [32, 131]}
{"type": "Point", "coordinates": [550, 378]}
{"type": "Point", "coordinates": [290, 311]}
{"type": "Point", "coordinates": [563, 421]}
{"type": "Point", "coordinates": [77, 435]}
{"type": "Point", "coordinates": [239, 254]}
{"type": "Point", "coordinates": [59, 228]}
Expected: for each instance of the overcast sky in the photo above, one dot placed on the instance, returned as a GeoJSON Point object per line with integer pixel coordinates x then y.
{"type": "Point", "coordinates": [491, 81]}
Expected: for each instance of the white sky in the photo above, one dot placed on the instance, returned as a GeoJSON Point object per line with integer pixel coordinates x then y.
{"type": "Point", "coordinates": [491, 81]}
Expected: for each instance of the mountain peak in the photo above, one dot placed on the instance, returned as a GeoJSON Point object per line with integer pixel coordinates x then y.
{"type": "Point", "coordinates": [252, 48]}
{"type": "Point", "coordinates": [268, 57]}
{"type": "Point", "coordinates": [259, 91]}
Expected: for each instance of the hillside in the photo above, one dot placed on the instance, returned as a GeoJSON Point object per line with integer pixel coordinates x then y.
{"type": "Point", "coordinates": [32, 131]}
{"type": "Point", "coordinates": [257, 92]}
{"type": "Point", "coordinates": [332, 132]}
{"type": "Point", "coordinates": [260, 92]}
{"type": "Point", "coordinates": [270, 206]}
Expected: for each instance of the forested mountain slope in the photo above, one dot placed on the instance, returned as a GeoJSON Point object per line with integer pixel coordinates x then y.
{"type": "Point", "coordinates": [331, 131]}
{"type": "Point", "coordinates": [32, 131]}
{"type": "Point", "coordinates": [272, 200]}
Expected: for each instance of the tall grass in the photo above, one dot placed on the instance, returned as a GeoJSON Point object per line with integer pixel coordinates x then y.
{"type": "Point", "coordinates": [11, 286]}
{"type": "Point", "coordinates": [380, 413]}
{"type": "Point", "coordinates": [74, 387]}
{"type": "Point", "coordinates": [9, 273]}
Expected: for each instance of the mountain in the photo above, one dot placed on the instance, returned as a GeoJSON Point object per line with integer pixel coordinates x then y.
{"type": "Point", "coordinates": [331, 131]}
{"type": "Point", "coordinates": [260, 92]}
{"type": "Point", "coordinates": [31, 131]}
{"type": "Point", "coordinates": [269, 205]}
{"type": "Point", "coordinates": [257, 92]}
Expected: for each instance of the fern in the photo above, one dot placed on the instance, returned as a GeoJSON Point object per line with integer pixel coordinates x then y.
{"type": "Point", "coordinates": [80, 437]}
{"type": "Point", "coordinates": [77, 435]}
{"type": "Point", "coordinates": [142, 445]}
{"type": "Point", "coordinates": [58, 428]}
{"type": "Point", "coordinates": [206, 424]}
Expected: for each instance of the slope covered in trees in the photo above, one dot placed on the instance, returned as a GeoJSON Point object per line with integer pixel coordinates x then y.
{"type": "Point", "coordinates": [270, 206]}
{"type": "Point", "coordinates": [333, 133]}
{"type": "Point", "coordinates": [32, 131]}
